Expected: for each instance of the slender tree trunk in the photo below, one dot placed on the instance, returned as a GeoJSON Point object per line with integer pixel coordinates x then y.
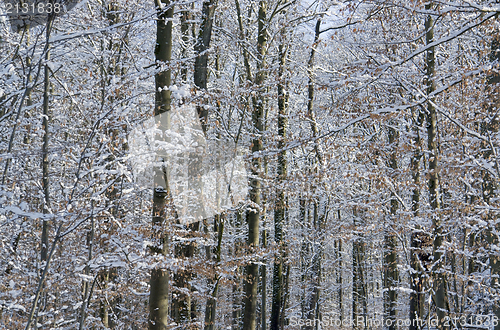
{"type": "Point", "coordinates": [359, 306]}
{"type": "Point", "coordinates": [281, 200]}
{"type": "Point", "coordinates": [29, 99]}
{"type": "Point", "coordinates": [203, 44]}
{"type": "Point", "coordinates": [186, 34]}
{"type": "Point", "coordinates": [103, 308]}
{"type": "Point", "coordinates": [489, 182]}
{"type": "Point", "coordinates": [312, 303]}
{"type": "Point", "coordinates": [211, 308]}
{"type": "Point", "coordinates": [263, 285]}
{"type": "Point", "coordinates": [310, 91]}
{"type": "Point", "coordinates": [201, 49]}
{"type": "Point", "coordinates": [184, 307]}
{"type": "Point", "coordinates": [113, 70]}
{"type": "Point", "coordinates": [340, 277]}
{"type": "Point", "coordinates": [87, 292]}
{"type": "Point", "coordinates": [45, 161]}
{"type": "Point", "coordinates": [391, 270]}
{"type": "Point", "coordinates": [453, 263]}
{"type": "Point", "coordinates": [252, 270]}
{"type": "Point", "coordinates": [159, 291]}
{"type": "Point", "coordinates": [313, 289]}
{"type": "Point", "coordinates": [304, 252]}
{"type": "Point", "coordinates": [237, 307]}
{"type": "Point", "coordinates": [45, 147]}
{"type": "Point", "coordinates": [440, 285]}
{"type": "Point", "coordinates": [286, 295]}
{"type": "Point", "coordinates": [246, 60]}
{"type": "Point", "coordinates": [182, 304]}
{"type": "Point", "coordinates": [418, 256]}
{"type": "Point", "coordinates": [237, 287]}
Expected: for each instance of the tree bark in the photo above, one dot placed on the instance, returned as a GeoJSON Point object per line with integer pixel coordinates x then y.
{"type": "Point", "coordinates": [211, 308]}
{"type": "Point", "coordinates": [314, 277]}
{"type": "Point", "coordinates": [159, 291]}
{"type": "Point", "coordinates": [489, 182]}
{"type": "Point", "coordinates": [339, 276]}
{"type": "Point", "coordinates": [359, 301]}
{"type": "Point", "coordinates": [253, 215]}
{"type": "Point", "coordinates": [440, 290]}
{"type": "Point", "coordinates": [281, 200]}
{"type": "Point", "coordinates": [87, 291]}
{"type": "Point", "coordinates": [263, 285]}
{"type": "Point", "coordinates": [203, 44]}
{"type": "Point", "coordinates": [418, 254]}
{"type": "Point", "coordinates": [391, 276]}
{"type": "Point", "coordinates": [201, 49]}
{"type": "Point", "coordinates": [312, 303]}
{"type": "Point", "coordinates": [237, 306]}
{"type": "Point", "coordinates": [184, 307]}
{"type": "Point", "coordinates": [246, 60]}
{"type": "Point", "coordinates": [45, 149]}
{"type": "Point", "coordinates": [310, 91]}
{"type": "Point", "coordinates": [44, 245]}
{"type": "Point", "coordinates": [185, 33]}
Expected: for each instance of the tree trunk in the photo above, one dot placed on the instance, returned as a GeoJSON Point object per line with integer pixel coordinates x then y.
{"type": "Point", "coordinates": [211, 308]}
{"type": "Point", "coordinates": [237, 287]}
{"type": "Point", "coordinates": [185, 33]}
{"type": "Point", "coordinates": [339, 276]}
{"type": "Point", "coordinates": [391, 276]}
{"type": "Point", "coordinates": [87, 291]}
{"type": "Point", "coordinates": [29, 99]}
{"type": "Point", "coordinates": [440, 290]}
{"type": "Point", "coordinates": [45, 149]}
{"type": "Point", "coordinates": [252, 270]}
{"type": "Point", "coordinates": [109, 72]}
{"type": "Point", "coordinates": [201, 49]}
{"type": "Point", "coordinates": [313, 289]}
{"type": "Point", "coordinates": [359, 306]}
{"type": "Point", "coordinates": [418, 254]}
{"type": "Point", "coordinates": [281, 200]}
{"type": "Point", "coordinates": [489, 182]}
{"type": "Point", "coordinates": [45, 162]}
{"type": "Point", "coordinates": [246, 60]}
{"type": "Point", "coordinates": [304, 252]}
{"type": "Point", "coordinates": [184, 307]}
{"type": "Point", "coordinates": [159, 292]}
{"type": "Point", "coordinates": [203, 44]}
{"type": "Point", "coordinates": [310, 91]}
{"type": "Point", "coordinates": [263, 281]}
{"type": "Point", "coordinates": [158, 298]}
{"type": "Point", "coordinates": [312, 303]}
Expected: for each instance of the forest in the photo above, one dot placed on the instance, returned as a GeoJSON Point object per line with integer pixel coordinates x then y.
{"type": "Point", "coordinates": [250, 164]}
